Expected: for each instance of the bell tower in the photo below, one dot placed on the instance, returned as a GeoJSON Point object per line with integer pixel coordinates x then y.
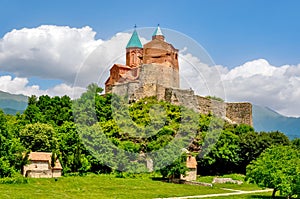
{"type": "Point", "coordinates": [158, 34]}
{"type": "Point", "coordinates": [134, 51]}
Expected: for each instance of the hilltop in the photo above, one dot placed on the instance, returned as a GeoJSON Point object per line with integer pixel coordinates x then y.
{"type": "Point", "coordinates": [11, 103]}
{"type": "Point", "coordinates": [266, 119]}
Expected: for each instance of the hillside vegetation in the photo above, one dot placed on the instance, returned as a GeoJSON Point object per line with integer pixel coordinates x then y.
{"type": "Point", "coordinates": [103, 134]}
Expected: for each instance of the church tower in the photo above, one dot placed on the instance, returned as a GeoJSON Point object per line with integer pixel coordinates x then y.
{"type": "Point", "coordinates": [134, 51]}
{"type": "Point", "coordinates": [158, 34]}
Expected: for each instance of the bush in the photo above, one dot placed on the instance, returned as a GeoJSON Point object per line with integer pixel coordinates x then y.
{"type": "Point", "coordinates": [16, 179]}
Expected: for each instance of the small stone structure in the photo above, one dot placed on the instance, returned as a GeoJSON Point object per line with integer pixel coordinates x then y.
{"type": "Point", "coordinates": [152, 69]}
{"type": "Point", "coordinates": [226, 180]}
{"type": "Point", "coordinates": [40, 166]}
{"type": "Point", "coordinates": [191, 164]}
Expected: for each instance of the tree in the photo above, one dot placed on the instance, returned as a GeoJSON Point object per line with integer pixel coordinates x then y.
{"type": "Point", "coordinates": [32, 112]}
{"type": "Point", "coordinates": [73, 154]}
{"type": "Point", "coordinates": [223, 156]}
{"type": "Point", "coordinates": [251, 145]}
{"type": "Point", "coordinates": [279, 168]}
{"type": "Point", "coordinates": [39, 137]}
{"type": "Point", "coordinates": [84, 108]}
{"type": "Point", "coordinates": [11, 157]}
{"type": "Point", "coordinates": [177, 168]}
{"type": "Point", "coordinates": [296, 143]}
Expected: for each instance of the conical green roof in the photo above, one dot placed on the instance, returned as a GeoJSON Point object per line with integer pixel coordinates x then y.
{"type": "Point", "coordinates": [158, 32]}
{"type": "Point", "coordinates": [134, 41]}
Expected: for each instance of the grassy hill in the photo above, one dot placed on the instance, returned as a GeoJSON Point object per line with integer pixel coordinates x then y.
{"type": "Point", "coordinates": [11, 104]}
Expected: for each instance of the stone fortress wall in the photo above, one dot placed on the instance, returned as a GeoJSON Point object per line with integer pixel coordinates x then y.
{"type": "Point", "coordinates": [236, 113]}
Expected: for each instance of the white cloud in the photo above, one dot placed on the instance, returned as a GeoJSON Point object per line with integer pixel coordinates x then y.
{"type": "Point", "coordinates": [19, 85]}
{"type": "Point", "coordinates": [257, 81]}
{"type": "Point", "coordinates": [261, 83]}
{"type": "Point", "coordinates": [58, 52]}
{"type": "Point", "coordinates": [202, 78]}
{"type": "Point", "coordinates": [72, 55]}
{"type": "Point", "coordinates": [75, 57]}
{"type": "Point", "coordinates": [53, 52]}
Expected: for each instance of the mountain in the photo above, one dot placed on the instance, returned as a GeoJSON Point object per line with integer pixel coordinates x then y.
{"type": "Point", "coordinates": [266, 119]}
{"type": "Point", "coordinates": [11, 103]}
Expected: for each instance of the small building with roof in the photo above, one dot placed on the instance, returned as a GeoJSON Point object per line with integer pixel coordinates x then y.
{"type": "Point", "coordinates": [191, 164]}
{"type": "Point", "coordinates": [40, 166]}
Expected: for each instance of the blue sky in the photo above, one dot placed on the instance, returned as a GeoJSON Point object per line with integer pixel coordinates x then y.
{"type": "Point", "coordinates": [232, 31]}
{"type": "Point", "coordinates": [256, 43]}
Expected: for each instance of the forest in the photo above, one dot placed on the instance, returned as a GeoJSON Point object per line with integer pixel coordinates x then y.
{"type": "Point", "coordinates": [103, 134]}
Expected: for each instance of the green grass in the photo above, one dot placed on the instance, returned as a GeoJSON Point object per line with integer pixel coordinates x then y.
{"type": "Point", "coordinates": [104, 186]}
{"type": "Point", "coordinates": [244, 187]}
{"type": "Point", "coordinates": [100, 186]}
{"type": "Point", "coordinates": [266, 195]}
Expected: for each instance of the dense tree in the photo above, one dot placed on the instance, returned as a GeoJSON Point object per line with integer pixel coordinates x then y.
{"type": "Point", "coordinates": [296, 143]}
{"type": "Point", "coordinates": [252, 144]}
{"type": "Point", "coordinates": [39, 137]}
{"type": "Point", "coordinates": [55, 110]}
{"type": "Point", "coordinates": [177, 168]}
{"type": "Point", "coordinates": [109, 131]}
{"type": "Point", "coordinates": [223, 156]}
{"type": "Point", "coordinates": [278, 168]}
{"type": "Point", "coordinates": [73, 153]}
{"type": "Point", "coordinates": [32, 112]}
{"type": "Point", "coordinates": [11, 150]}
{"type": "Point", "coordinates": [84, 108]}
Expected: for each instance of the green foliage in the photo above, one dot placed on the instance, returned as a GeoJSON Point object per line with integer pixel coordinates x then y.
{"type": "Point", "coordinates": [296, 143]}
{"type": "Point", "coordinates": [49, 110]}
{"type": "Point", "coordinates": [84, 108]}
{"type": "Point", "coordinates": [112, 134]}
{"type": "Point", "coordinates": [215, 98]}
{"type": "Point", "coordinates": [252, 144]}
{"type": "Point", "coordinates": [278, 168]}
{"type": "Point", "coordinates": [73, 154]}
{"type": "Point", "coordinates": [39, 137]}
{"type": "Point", "coordinates": [17, 178]}
{"type": "Point", "coordinates": [11, 158]}
{"type": "Point", "coordinates": [223, 157]}
{"type": "Point", "coordinates": [243, 129]}
{"type": "Point", "coordinates": [177, 168]}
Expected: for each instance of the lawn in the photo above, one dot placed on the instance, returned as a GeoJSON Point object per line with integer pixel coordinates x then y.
{"type": "Point", "coordinates": [104, 186]}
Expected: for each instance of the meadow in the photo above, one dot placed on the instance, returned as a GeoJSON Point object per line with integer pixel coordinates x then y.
{"type": "Point", "coordinates": [111, 187]}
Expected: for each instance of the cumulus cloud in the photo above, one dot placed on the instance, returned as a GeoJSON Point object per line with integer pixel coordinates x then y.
{"type": "Point", "coordinates": [72, 55]}
{"type": "Point", "coordinates": [203, 79]}
{"type": "Point", "coordinates": [54, 52]}
{"type": "Point", "coordinates": [77, 58]}
{"type": "Point", "coordinates": [257, 81]}
{"type": "Point", "coordinates": [19, 85]}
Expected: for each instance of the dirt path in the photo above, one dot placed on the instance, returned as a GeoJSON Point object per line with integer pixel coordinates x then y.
{"type": "Point", "coordinates": [236, 192]}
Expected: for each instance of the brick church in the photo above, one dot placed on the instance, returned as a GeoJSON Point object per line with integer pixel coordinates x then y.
{"type": "Point", "coordinates": [152, 69]}
{"type": "Point", "coordinates": [156, 52]}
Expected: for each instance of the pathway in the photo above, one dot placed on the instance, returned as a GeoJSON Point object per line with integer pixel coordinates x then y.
{"type": "Point", "coordinates": [236, 192]}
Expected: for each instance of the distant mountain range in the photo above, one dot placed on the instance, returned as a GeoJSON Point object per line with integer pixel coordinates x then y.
{"type": "Point", "coordinates": [264, 119]}
{"type": "Point", "coordinates": [11, 104]}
